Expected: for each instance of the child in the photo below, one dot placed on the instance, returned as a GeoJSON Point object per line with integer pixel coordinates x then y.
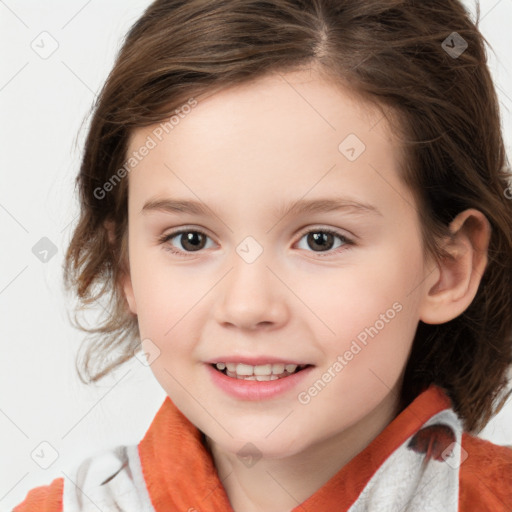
{"type": "Point", "coordinates": [345, 331]}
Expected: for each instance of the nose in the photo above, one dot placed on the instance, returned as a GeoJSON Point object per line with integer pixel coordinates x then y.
{"type": "Point", "coordinates": [252, 296]}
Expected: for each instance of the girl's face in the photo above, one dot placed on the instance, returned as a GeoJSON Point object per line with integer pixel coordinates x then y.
{"type": "Point", "coordinates": [336, 283]}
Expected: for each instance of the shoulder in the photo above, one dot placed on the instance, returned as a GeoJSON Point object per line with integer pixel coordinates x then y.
{"type": "Point", "coordinates": [485, 475]}
{"type": "Point", "coordinates": [47, 498]}
{"type": "Point", "coordinates": [109, 480]}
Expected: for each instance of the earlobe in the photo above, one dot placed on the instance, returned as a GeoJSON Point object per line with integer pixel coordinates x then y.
{"type": "Point", "coordinates": [126, 283]}
{"type": "Point", "coordinates": [128, 293]}
{"type": "Point", "coordinates": [125, 279]}
{"type": "Point", "coordinates": [460, 272]}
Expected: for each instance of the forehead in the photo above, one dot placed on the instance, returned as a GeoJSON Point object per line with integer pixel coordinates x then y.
{"type": "Point", "coordinates": [275, 100]}
{"type": "Point", "coordinates": [264, 138]}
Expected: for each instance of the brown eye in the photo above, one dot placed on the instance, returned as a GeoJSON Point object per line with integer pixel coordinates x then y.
{"type": "Point", "coordinates": [188, 241]}
{"type": "Point", "coordinates": [192, 240]}
{"type": "Point", "coordinates": [320, 240]}
{"type": "Point", "coordinates": [324, 240]}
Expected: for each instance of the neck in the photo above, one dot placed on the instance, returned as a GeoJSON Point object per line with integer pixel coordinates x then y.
{"type": "Point", "coordinates": [280, 485]}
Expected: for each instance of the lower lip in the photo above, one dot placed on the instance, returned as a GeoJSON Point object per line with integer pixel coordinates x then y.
{"type": "Point", "coordinates": [256, 390]}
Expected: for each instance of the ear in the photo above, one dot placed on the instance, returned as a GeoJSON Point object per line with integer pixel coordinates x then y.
{"type": "Point", "coordinates": [455, 282]}
{"type": "Point", "coordinates": [126, 283]}
{"type": "Point", "coordinates": [125, 277]}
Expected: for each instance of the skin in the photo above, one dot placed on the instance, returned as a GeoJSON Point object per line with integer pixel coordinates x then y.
{"type": "Point", "coordinates": [245, 151]}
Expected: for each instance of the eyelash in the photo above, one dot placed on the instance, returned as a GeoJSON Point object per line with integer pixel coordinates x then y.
{"type": "Point", "coordinates": [347, 242]}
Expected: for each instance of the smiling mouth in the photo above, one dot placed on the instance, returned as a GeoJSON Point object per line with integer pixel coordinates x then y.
{"type": "Point", "coordinates": [264, 372]}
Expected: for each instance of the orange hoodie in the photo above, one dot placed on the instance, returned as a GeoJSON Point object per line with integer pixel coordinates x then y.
{"type": "Point", "coordinates": [421, 461]}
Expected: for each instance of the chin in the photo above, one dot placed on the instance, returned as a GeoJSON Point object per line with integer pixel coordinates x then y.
{"type": "Point", "coordinates": [254, 447]}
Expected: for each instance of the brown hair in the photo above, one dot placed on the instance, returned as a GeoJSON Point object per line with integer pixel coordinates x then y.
{"type": "Point", "coordinates": [388, 52]}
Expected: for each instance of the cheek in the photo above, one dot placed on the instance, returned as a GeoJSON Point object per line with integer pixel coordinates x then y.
{"type": "Point", "coordinates": [355, 297]}
{"type": "Point", "coordinates": [163, 293]}
{"type": "Point", "coordinates": [371, 311]}
{"type": "Point", "coordinates": [168, 305]}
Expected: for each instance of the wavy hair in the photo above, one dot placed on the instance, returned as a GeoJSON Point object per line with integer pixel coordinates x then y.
{"type": "Point", "coordinates": [396, 54]}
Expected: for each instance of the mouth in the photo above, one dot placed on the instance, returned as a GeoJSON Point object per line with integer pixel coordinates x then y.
{"type": "Point", "coordinates": [262, 372]}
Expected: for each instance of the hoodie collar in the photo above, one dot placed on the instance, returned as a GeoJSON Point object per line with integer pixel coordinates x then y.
{"type": "Point", "coordinates": [180, 474]}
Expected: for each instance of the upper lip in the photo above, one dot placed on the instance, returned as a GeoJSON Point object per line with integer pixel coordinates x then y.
{"type": "Point", "coordinates": [253, 361]}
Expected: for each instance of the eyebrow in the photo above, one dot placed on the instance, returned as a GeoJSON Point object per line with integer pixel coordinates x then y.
{"type": "Point", "coordinates": [300, 206]}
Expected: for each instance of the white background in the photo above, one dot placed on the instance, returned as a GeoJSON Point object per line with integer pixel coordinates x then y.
{"type": "Point", "coordinates": [43, 103]}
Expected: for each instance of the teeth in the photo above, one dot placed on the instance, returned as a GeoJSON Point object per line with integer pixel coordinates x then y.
{"type": "Point", "coordinates": [244, 369]}
{"type": "Point", "coordinates": [262, 378]}
{"type": "Point", "coordinates": [263, 370]}
{"type": "Point", "coordinates": [260, 372]}
{"type": "Point", "coordinates": [277, 369]}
